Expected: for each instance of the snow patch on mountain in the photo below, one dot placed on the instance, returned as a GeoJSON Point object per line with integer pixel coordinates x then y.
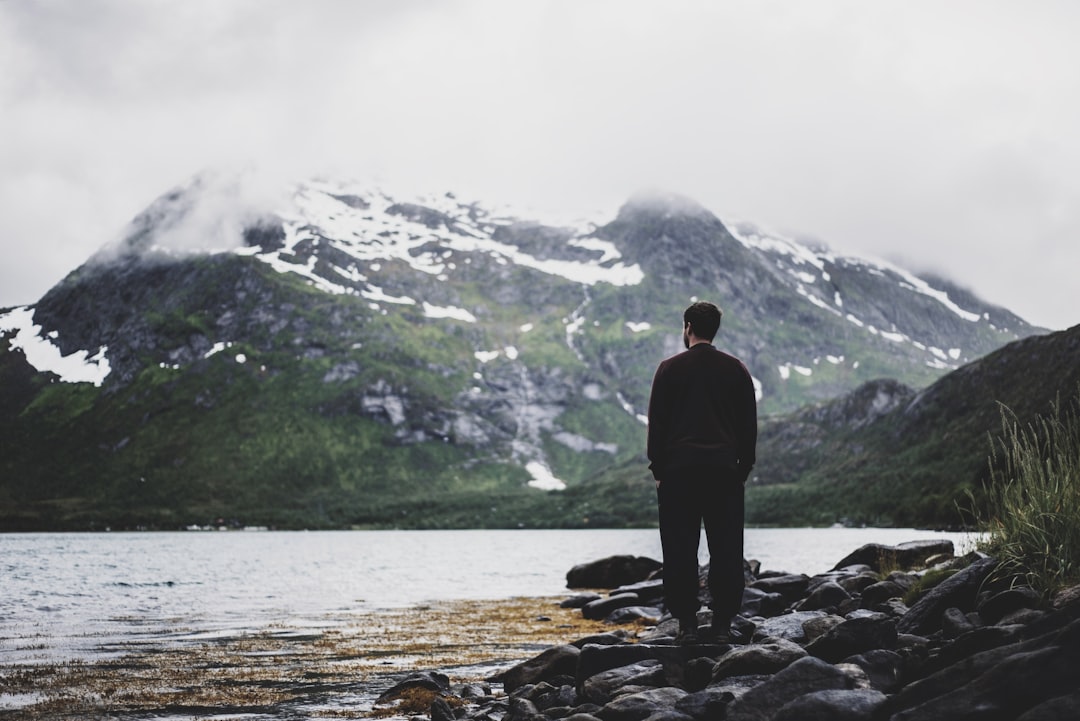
{"type": "Point", "coordinates": [41, 353]}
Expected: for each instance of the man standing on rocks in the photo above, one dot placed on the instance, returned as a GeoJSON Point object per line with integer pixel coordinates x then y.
{"type": "Point", "coordinates": [701, 448]}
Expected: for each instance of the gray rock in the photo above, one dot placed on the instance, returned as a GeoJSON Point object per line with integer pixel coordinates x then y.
{"type": "Point", "coordinates": [955, 622]}
{"type": "Point", "coordinates": [829, 594]}
{"type": "Point", "coordinates": [630, 614]}
{"type": "Point", "coordinates": [646, 590]}
{"type": "Point", "coordinates": [905, 555]}
{"type": "Point", "coordinates": [789, 626]}
{"type": "Point", "coordinates": [611, 572]}
{"type": "Point", "coordinates": [831, 705]}
{"type": "Point", "coordinates": [708, 703]}
{"type": "Point", "coordinates": [1061, 708]}
{"type": "Point", "coordinates": [642, 705]}
{"type": "Point", "coordinates": [790, 586]}
{"type": "Point", "coordinates": [597, 659]}
{"type": "Point", "coordinates": [602, 639]}
{"type": "Point", "coordinates": [804, 676]}
{"type": "Point", "coordinates": [429, 680]}
{"type": "Point", "coordinates": [1002, 682]}
{"type": "Point", "coordinates": [854, 636]}
{"type": "Point", "coordinates": [856, 584]}
{"type": "Point", "coordinates": [522, 709]}
{"type": "Point", "coordinates": [996, 607]}
{"type": "Point", "coordinates": [580, 600]}
{"type": "Point", "coordinates": [880, 592]}
{"type": "Point", "coordinates": [760, 658]}
{"type": "Point", "coordinates": [958, 590]}
{"type": "Point", "coordinates": [555, 661]}
{"type": "Point", "coordinates": [603, 607]}
{"type": "Point", "coordinates": [883, 669]}
{"type": "Point", "coordinates": [816, 627]}
{"type": "Point", "coordinates": [757, 602]}
{"type": "Point", "coordinates": [603, 686]}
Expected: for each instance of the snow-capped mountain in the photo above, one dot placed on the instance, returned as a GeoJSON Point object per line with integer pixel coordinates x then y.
{"type": "Point", "coordinates": [465, 344]}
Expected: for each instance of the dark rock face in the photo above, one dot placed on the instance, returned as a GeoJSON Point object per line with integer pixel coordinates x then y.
{"type": "Point", "coordinates": [847, 664]}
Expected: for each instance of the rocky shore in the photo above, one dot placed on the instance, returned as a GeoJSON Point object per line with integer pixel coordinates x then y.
{"type": "Point", "coordinates": [897, 633]}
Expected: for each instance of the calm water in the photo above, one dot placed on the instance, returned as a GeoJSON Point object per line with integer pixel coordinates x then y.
{"type": "Point", "coordinates": [81, 594]}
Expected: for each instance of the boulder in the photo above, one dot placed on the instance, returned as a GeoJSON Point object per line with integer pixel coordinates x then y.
{"type": "Point", "coordinates": [958, 590]}
{"type": "Point", "coordinates": [791, 586]}
{"type": "Point", "coordinates": [611, 572]}
{"type": "Point", "coordinates": [428, 680]}
{"type": "Point", "coordinates": [642, 705]}
{"type": "Point", "coordinates": [1000, 605]}
{"type": "Point", "coordinates": [829, 594]}
{"type": "Point", "coordinates": [757, 659]}
{"type": "Point", "coordinates": [831, 705]}
{"type": "Point", "coordinates": [807, 675]}
{"type": "Point", "coordinates": [602, 607]}
{"type": "Point", "coordinates": [555, 661]}
{"type": "Point", "coordinates": [789, 626]}
{"type": "Point", "coordinates": [905, 555]}
{"type": "Point", "coordinates": [883, 669]}
{"type": "Point", "coordinates": [854, 636]}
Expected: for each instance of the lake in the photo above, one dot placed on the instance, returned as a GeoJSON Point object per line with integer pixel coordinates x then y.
{"type": "Point", "coordinates": [71, 596]}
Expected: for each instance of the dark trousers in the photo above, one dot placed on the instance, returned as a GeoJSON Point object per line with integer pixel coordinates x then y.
{"type": "Point", "coordinates": [687, 498]}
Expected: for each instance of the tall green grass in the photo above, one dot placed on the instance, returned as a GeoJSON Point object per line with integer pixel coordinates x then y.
{"type": "Point", "coordinates": [1032, 508]}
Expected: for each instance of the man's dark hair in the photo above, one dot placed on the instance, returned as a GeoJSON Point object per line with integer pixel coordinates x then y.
{"type": "Point", "coordinates": [704, 319]}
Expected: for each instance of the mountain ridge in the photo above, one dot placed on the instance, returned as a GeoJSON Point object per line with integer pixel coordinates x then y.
{"type": "Point", "coordinates": [421, 341]}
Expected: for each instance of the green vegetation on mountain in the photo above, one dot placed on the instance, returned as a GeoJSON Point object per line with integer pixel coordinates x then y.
{"type": "Point", "coordinates": [298, 385]}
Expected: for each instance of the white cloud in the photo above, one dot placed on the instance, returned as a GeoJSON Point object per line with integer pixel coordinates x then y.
{"type": "Point", "coordinates": [891, 130]}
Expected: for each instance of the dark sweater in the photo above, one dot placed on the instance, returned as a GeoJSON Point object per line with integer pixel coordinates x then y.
{"type": "Point", "coordinates": [702, 411]}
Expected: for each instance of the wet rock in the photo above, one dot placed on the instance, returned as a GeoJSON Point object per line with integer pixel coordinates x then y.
{"type": "Point", "coordinates": [883, 669]}
{"type": "Point", "coordinates": [955, 622]}
{"type": "Point", "coordinates": [1061, 708]}
{"type": "Point", "coordinates": [601, 608]}
{"type": "Point", "coordinates": [428, 680]}
{"type": "Point", "coordinates": [642, 705]}
{"type": "Point", "coordinates": [998, 606]}
{"type": "Point", "coordinates": [804, 676]}
{"type": "Point", "coordinates": [602, 686]}
{"type": "Point", "coordinates": [879, 557]}
{"type": "Point", "coordinates": [1003, 682]}
{"type": "Point", "coordinates": [630, 614]}
{"type": "Point", "coordinates": [611, 572]}
{"type": "Point", "coordinates": [831, 705]}
{"type": "Point", "coordinates": [757, 602]}
{"type": "Point", "coordinates": [708, 703]}
{"type": "Point", "coordinates": [602, 639]}
{"type": "Point", "coordinates": [958, 590]}
{"type": "Point", "coordinates": [580, 600]}
{"type": "Point", "coordinates": [790, 586]}
{"type": "Point", "coordinates": [645, 590]}
{"type": "Point", "coordinates": [829, 594]}
{"type": "Point", "coordinates": [789, 626]}
{"type": "Point", "coordinates": [758, 659]}
{"type": "Point", "coordinates": [555, 661]}
{"type": "Point", "coordinates": [854, 636]}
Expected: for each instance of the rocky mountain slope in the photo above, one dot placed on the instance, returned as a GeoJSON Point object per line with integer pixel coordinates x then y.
{"type": "Point", "coordinates": [348, 358]}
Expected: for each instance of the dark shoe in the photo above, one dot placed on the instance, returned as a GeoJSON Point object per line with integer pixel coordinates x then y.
{"type": "Point", "coordinates": [687, 635]}
{"type": "Point", "coordinates": [720, 631]}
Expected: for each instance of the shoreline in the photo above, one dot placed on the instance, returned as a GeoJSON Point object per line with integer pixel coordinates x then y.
{"type": "Point", "coordinates": [279, 672]}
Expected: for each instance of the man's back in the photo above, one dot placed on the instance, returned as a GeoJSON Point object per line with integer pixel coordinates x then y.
{"type": "Point", "coordinates": [702, 411]}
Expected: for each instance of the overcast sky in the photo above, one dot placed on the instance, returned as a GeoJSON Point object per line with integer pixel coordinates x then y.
{"type": "Point", "coordinates": [942, 135]}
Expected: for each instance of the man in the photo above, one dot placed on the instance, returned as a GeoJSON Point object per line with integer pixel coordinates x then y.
{"type": "Point", "coordinates": [701, 447]}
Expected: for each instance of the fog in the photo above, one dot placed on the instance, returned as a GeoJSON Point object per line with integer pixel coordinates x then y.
{"type": "Point", "coordinates": [940, 136]}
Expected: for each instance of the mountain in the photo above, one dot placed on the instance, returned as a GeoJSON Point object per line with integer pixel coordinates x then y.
{"type": "Point", "coordinates": [890, 455]}
{"type": "Point", "coordinates": [352, 358]}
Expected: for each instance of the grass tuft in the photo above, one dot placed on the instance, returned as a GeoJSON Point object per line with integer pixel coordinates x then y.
{"type": "Point", "coordinates": [1032, 509]}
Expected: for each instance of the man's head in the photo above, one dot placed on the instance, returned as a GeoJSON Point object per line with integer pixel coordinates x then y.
{"type": "Point", "coordinates": [702, 319]}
